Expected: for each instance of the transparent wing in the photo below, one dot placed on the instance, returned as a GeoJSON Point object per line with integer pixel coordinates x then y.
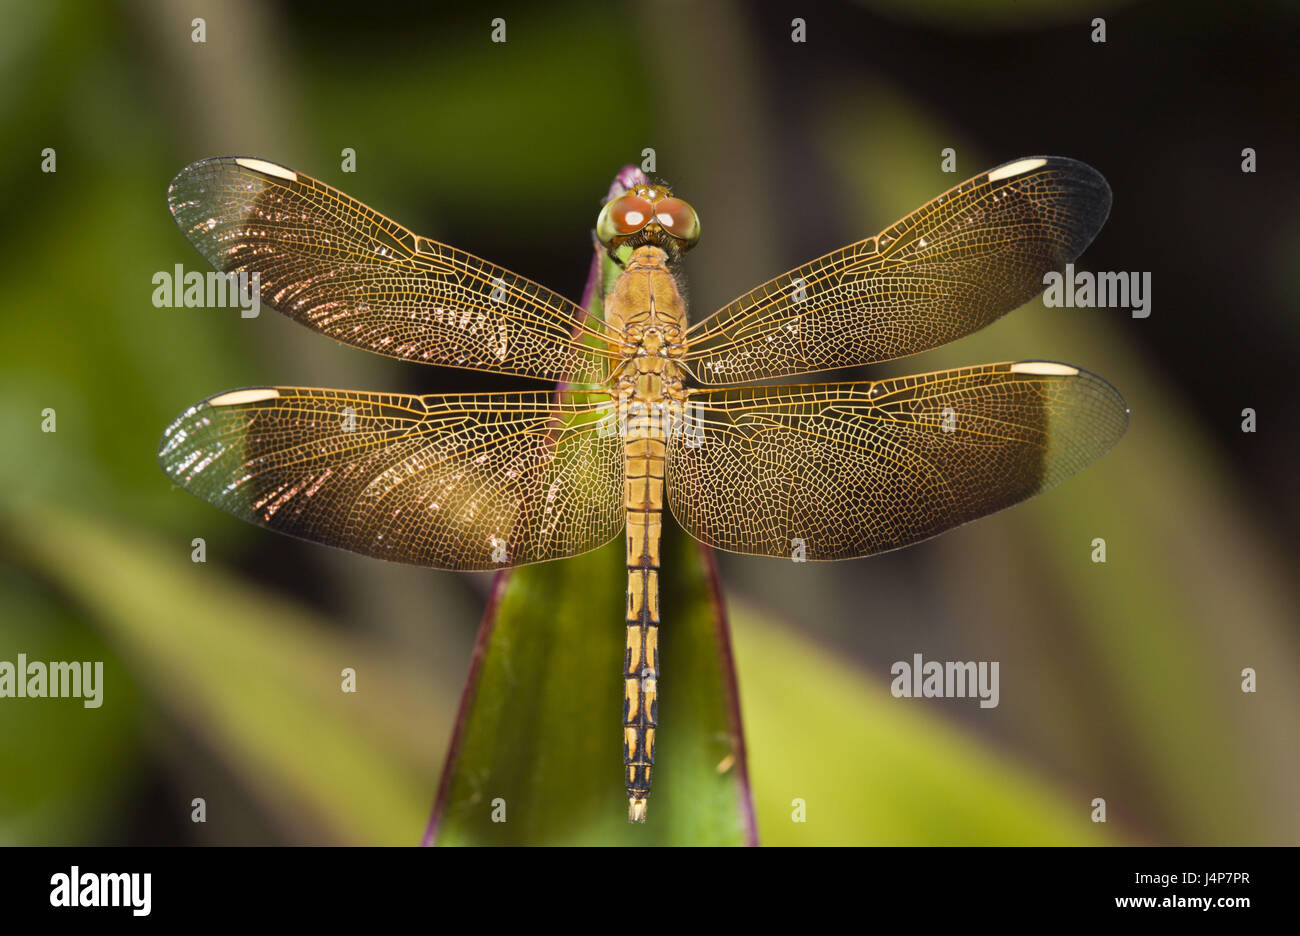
{"type": "Point", "coordinates": [946, 270]}
{"type": "Point", "coordinates": [851, 469]}
{"type": "Point", "coordinates": [338, 267]}
{"type": "Point", "coordinates": [454, 482]}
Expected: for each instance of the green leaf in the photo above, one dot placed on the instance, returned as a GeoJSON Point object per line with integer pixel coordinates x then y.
{"type": "Point", "coordinates": [541, 732]}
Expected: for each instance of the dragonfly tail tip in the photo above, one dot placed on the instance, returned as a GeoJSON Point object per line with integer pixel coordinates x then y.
{"type": "Point", "coordinates": [636, 809]}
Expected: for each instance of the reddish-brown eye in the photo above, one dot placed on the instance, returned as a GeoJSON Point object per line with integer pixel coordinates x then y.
{"type": "Point", "coordinates": [678, 219]}
{"type": "Point", "coordinates": [623, 216]}
{"type": "Point", "coordinates": [631, 214]}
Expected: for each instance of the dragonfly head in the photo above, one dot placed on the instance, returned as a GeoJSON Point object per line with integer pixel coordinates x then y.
{"type": "Point", "coordinates": [648, 215]}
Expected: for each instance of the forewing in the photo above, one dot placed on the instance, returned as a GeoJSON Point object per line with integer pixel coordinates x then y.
{"type": "Point", "coordinates": [834, 471]}
{"type": "Point", "coordinates": [946, 270]}
{"type": "Point", "coordinates": [454, 482]}
{"type": "Point", "coordinates": [344, 270]}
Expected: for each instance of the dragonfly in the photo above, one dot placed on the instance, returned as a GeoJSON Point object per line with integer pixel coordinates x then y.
{"type": "Point", "coordinates": [641, 408]}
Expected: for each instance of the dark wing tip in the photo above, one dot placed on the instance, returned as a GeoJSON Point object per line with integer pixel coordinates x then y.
{"type": "Point", "coordinates": [175, 436]}
{"type": "Point", "coordinates": [205, 190]}
{"type": "Point", "coordinates": [1064, 188]}
{"type": "Point", "coordinates": [193, 178]}
{"type": "Point", "coordinates": [1087, 417]}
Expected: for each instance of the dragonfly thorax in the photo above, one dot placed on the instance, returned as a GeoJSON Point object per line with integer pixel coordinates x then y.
{"type": "Point", "coordinates": [645, 300]}
{"type": "Point", "coordinates": [646, 309]}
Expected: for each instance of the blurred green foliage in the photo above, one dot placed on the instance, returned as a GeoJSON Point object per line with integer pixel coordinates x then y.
{"type": "Point", "coordinates": [252, 675]}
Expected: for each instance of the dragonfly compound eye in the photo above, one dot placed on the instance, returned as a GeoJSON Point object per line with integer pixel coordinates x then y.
{"type": "Point", "coordinates": [678, 219]}
{"type": "Point", "coordinates": [623, 216]}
